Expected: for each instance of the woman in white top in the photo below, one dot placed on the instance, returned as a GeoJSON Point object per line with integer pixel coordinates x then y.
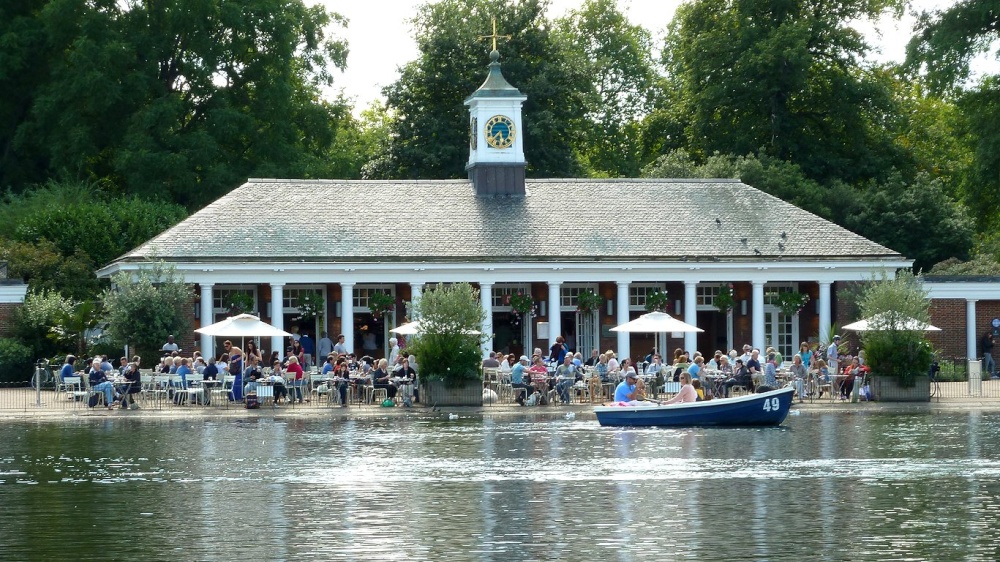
{"type": "Point", "coordinates": [504, 363]}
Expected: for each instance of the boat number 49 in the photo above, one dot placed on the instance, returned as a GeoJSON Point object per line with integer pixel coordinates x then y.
{"type": "Point", "coordinates": [771, 404]}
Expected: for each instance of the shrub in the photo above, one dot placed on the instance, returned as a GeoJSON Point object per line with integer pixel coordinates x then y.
{"type": "Point", "coordinates": [16, 362]}
{"type": "Point", "coordinates": [890, 349]}
{"type": "Point", "coordinates": [447, 347]}
{"type": "Point", "coordinates": [143, 310]}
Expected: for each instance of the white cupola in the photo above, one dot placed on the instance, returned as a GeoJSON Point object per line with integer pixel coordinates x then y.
{"type": "Point", "coordinates": [496, 150]}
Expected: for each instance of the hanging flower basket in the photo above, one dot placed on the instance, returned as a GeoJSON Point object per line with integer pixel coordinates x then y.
{"type": "Point", "coordinates": [791, 302]}
{"type": "Point", "coordinates": [724, 301]}
{"type": "Point", "coordinates": [239, 303]}
{"type": "Point", "coordinates": [521, 306]}
{"type": "Point", "coordinates": [381, 303]}
{"type": "Point", "coordinates": [589, 302]}
{"type": "Point", "coordinates": [658, 301]}
{"type": "Point", "coordinates": [310, 305]}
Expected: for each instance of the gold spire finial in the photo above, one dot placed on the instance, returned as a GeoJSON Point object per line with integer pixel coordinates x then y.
{"type": "Point", "coordinates": [494, 37]}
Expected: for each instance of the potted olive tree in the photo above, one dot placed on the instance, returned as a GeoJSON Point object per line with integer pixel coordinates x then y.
{"type": "Point", "coordinates": [448, 345]}
{"type": "Point", "coordinates": [896, 347]}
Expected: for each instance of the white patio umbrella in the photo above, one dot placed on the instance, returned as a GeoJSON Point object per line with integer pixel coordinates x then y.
{"type": "Point", "coordinates": [244, 325]}
{"type": "Point", "coordinates": [411, 328]}
{"type": "Point", "coordinates": [884, 322]}
{"type": "Point", "coordinates": [656, 322]}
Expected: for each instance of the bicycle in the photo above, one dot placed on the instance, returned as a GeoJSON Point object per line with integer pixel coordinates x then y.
{"type": "Point", "coordinates": [932, 374]}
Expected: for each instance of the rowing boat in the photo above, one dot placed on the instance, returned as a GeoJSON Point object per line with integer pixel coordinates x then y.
{"type": "Point", "coordinates": [764, 409]}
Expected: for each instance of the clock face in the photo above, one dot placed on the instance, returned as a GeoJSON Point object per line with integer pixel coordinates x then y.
{"type": "Point", "coordinates": [499, 131]}
{"type": "Point", "coordinates": [474, 132]}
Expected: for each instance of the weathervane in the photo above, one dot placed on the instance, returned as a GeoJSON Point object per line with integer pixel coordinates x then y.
{"type": "Point", "coordinates": [494, 37]}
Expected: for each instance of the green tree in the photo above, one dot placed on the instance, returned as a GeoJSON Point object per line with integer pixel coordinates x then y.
{"type": "Point", "coordinates": [55, 235]}
{"type": "Point", "coordinates": [430, 123]}
{"type": "Point", "coordinates": [144, 307]}
{"type": "Point", "coordinates": [946, 43]}
{"type": "Point", "coordinates": [179, 99]}
{"type": "Point", "coordinates": [447, 347]}
{"type": "Point", "coordinates": [618, 57]}
{"type": "Point", "coordinates": [33, 323]}
{"type": "Point", "coordinates": [783, 78]}
{"type": "Point", "coordinates": [918, 220]}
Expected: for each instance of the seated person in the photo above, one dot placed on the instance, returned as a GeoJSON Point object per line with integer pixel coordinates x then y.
{"type": "Point", "coordinates": [687, 393]}
{"type": "Point", "coordinates": [183, 370]}
{"type": "Point", "coordinates": [799, 376]}
{"type": "Point", "coordinates": [409, 376]}
{"type": "Point", "coordinates": [99, 383]}
{"type": "Point", "coordinates": [770, 374]}
{"type": "Point", "coordinates": [565, 378]}
{"type": "Point", "coordinates": [741, 377]}
{"type": "Point", "coordinates": [539, 374]}
{"type": "Point", "coordinates": [294, 368]}
{"type": "Point", "coordinates": [696, 366]}
{"type": "Point", "coordinates": [629, 391]}
{"type": "Point", "coordinates": [656, 366]}
{"type": "Point", "coordinates": [602, 367]}
{"type": "Point", "coordinates": [278, 383]}
{"type": "Point", "coordinates": [517, 380]}
{"type": "Point", "coordinates": [853, 371]}
{"type": "Point", "coordinates": [135, 384]}
{"type": "Point", "coordinates": [697, 388]}
{"type": "Point", "coordinates": [341, 378]}
{"type": "Point", "coordinates": [67, 368]}
{"type": "Point", "coordinates": [382, 379]}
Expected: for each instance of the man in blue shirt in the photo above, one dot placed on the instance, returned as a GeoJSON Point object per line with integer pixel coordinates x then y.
{"type": "Point", "coordinates": [517, 380]}
{"type": "Point", "coordinates": [628, 389]}
{"type": "Point", "coordinates": [308, 349]}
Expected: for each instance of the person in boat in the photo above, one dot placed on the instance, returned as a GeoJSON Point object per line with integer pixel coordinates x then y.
{"type": "Point", "coordinates": [629, 390]}
{"type": "Point", "coordinates": [687, 393]}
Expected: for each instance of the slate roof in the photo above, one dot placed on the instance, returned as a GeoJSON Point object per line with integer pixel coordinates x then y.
{"type": "Point", "coordinates": [569, 220]}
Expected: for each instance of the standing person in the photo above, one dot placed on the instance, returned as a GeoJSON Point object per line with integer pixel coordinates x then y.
{"type": "Point", "coordinates": [235, 356]}
{"type": "Point", "coordinates": [308, 349]}
{"type": "Point", "coordinates": [324, 347]}
{"type": "Point", "coordinates": [394, 351]}
{"type": "Point", "coordinates": [806, 354]}
{"type": "Point", "coordinates": [833, 356]}
{"type": "Point", "coordinates": [298, 352]}
{"type": "Point", "coordinates": [341, 347]}
{"type": "Point", "coordinates": [252, 351]}
{"type": "Point", "coordinates": [988, 365]}
{"type": "Point", "coordinates": [171, 345]}
{"type": "Point", "coordinates": [558, 350]}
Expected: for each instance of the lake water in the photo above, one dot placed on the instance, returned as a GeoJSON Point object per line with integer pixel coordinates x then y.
{"type": "Point", "coordinates": [825, 486]}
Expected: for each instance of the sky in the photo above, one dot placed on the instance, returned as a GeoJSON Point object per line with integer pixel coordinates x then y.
{"type": "Point", "coordinates": [380, 37]}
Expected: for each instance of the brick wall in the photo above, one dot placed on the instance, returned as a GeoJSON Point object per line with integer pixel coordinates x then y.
{"type": "Point", "coordinates": [949, 315]}
{"type": "Point", "coordinates": [7, 311]}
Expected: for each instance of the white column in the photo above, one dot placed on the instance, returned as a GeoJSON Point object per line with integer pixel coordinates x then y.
{"type": "Point", "coordinates": [624, 345]}
{"type": "Point", "coordinates": [207, 341]}
{"type": "Point", "coordinates": [758, 337]}
{"type": "Point", "coordinates": [416, 291]}
{"type": "Point", "coordinates": [691, 316]}
{"type": "Point", "coordinates": [278, 317]}
{"type": "Point", "coordinates": [825, 319]}
{"type": "Point", "coordinates": [555, 327]}
{"type": "Point", "coordinates": [347, 314]}
{"type": "Point", "coordinates": [970, 329]}
{"type": "Point", "coordinates": [486, 301]}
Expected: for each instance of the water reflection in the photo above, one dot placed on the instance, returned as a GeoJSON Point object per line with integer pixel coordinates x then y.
{"type": "Point", "coordinates": [830, 486]}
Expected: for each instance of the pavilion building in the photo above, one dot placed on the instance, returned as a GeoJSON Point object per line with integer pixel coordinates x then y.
{"type": "Point", "coordinates": [551, 239]}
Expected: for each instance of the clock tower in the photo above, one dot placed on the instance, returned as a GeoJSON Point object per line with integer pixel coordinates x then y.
{"type": "Point", "coordinates": [496, 150]}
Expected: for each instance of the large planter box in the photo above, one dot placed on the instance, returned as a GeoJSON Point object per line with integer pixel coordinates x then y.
{"type": "Point", "coordinates": [436, 393]}
{"type": "Point", "coordinates": [887, 389]}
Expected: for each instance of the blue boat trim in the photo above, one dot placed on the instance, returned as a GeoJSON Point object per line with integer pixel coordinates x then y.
{"type": "Point", "coordinates": [764, 409]}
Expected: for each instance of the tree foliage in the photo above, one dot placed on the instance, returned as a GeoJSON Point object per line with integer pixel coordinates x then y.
{"type": "Point", "coordinates": [33, 322]}
{"type": "Point", "coordinates": [617, 56]}
{"type": "Point", "coordinates": [429, 137]}
{"type": "Point", "coordinates": [447, 347]}
{"type": "Point", "coordinates": [144, 307]}
{"type": "Point", "coordinates": [177, 99]}
{"type": "Point", "coordinates": [56, 235]}
{"type": "Point", "coordinates": [782, 78]}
